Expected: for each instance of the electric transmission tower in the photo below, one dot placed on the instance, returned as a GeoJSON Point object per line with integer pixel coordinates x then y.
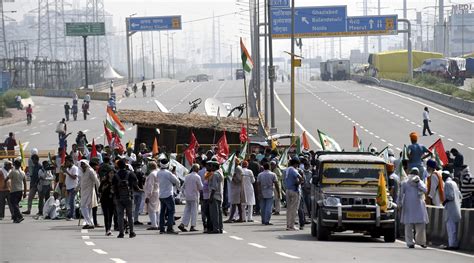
{"type": "Point", "coordinates": [45, 48]}
{"type": "Point", "coordinates": [3, 39]}
{"type": "Point", "coordinates": [95, 13]}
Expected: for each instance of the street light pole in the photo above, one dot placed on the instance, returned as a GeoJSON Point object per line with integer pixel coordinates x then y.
{"type": "Point", "coordinates": [153, 54]}
{"type": "Point", "coordinates": [292, 96]}
{"type": "Point", "coordinates": [143, 57]}
{"type": "Point", "coordinates": [172, 53]}
{"type": "Point", "coordinates": [271, 69]}
{"type": "Point", "coordinates": [161, 56]}
{"type": "Point", "coordinates": [168, 50]}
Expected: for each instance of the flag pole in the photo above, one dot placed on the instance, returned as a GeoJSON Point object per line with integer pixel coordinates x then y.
{"type": "Point", "coordinates": [246, 110]}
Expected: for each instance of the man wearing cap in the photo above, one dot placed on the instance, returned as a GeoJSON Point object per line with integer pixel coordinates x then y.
{"type": "Point", "coordinates": [414, 215]}
{"type": "Point", "coordinates": [292, 180]}
{"type": "Point", "coordinates": [216, 188]}
{"type": "Point", "coordinates": [17, 180]}
{"type": "Point", "coordinates": [416, 154]}
{"type": "Point", "coordinates": [5, 189]}
{"type": "Point", "coordinates": [434, 183]}
{"type": "Point", "coordinates": [89, 181]}
{"type": "Point", "coordinates": [452, 210]}
{"type": "Point", "coordinates": [167, 181]}
{"type": "Point", "coordinates": [152, 199]}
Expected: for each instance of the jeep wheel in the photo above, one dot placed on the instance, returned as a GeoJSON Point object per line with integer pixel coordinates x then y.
{"type": "Point", "coordinates": [313, 228]}
{"type": "Point", "coordinates": [322, 233]}
{"type": "Point", "coordinates": [389, 235]}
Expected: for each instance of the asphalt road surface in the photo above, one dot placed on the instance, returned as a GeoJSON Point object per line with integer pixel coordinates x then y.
{"type": "Point", "coordinates": [382, 117]}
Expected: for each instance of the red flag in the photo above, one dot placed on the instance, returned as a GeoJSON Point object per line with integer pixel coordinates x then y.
{"type": "Point", "coordinates": [190, 152]}
{"type": "Point", "coordinates": [243, 134]}
{"type": "Point", "coordinates": [108, 135]}
{"type": "Point", "coordinates": [439, 153]}
{"type": "Point", "coordinates": [222, 149]}
{"type": "Point", "coordinates": [154, 150]}
{"type": "Point", "coordinates": [305, 141]}
{"type": "Point", "coordinates": [117, 144]}
{"type": "Point", "coordinates": [93, 150]}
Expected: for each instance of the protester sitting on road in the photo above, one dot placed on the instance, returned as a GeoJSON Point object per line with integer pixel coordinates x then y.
{"type": "Point", "coordinates": [452, 210]}
{"type": "Point", "coordinates": [51, 207]}
{"type": "Point", "coordinates": [46, 177]}
{"type": "Point", "coordinates": [414, 214]}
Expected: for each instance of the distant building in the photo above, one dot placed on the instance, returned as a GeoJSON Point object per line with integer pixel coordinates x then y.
{"type": "Point", "coordinates": [461, 32]}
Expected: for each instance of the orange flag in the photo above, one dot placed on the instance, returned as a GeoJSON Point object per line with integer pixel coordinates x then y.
{"type": "Point", "coordinates": [155, 147]}
{"type": "Point", "coordinates": [305, 141]}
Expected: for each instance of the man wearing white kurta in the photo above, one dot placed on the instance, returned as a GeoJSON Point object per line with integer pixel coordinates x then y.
{"type": "Point", "coordinates": [414, 215]}
{"type": "Point", "coordinates": [452, 210]}
{"type": "Point", "coordinates": [248, 179]}
{"type": "Point", "coordinates": [434, 183]}
{"type": "Point", "coordinates": [88, 183]}
{"type": "Point", "coordinates": [192, 186]}
{"type": "Point", "coordinates": [152, 196]}
{"type": "Point", "coordinates": [51, 207]}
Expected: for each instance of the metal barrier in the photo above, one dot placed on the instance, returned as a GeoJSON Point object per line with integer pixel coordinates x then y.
{"type": "Point", "coordinates": [5, 154]}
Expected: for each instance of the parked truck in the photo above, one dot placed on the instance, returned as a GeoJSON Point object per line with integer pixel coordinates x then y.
{"type": "Point", "coordinates": [335, 69]}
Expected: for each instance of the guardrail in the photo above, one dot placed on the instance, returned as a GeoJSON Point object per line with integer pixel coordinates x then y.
{"type": "Point", "coordinates": [436, 229]}
{"type": "Point", "coordinates": [454, 103]}
{"type": "Point", "coordinates": [69, 93]}
{"type": "Point", "coordinates": [4, 154]}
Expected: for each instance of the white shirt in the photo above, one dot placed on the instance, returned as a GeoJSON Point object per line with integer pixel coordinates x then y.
{"type": "Point", "coordinates": [166, 182]}
{"type": "Point", "coordinates": [72, 183]}
{"type": "Point", "coordinates": [192, 186]}
{"type": "Point", "coordinates": [426, 115]}
{"type": "Point", "coordinates": [131, 158]}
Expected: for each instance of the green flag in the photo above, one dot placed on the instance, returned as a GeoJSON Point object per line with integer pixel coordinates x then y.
{"type": "Point", "coordinates": [228, 167]}
{"type": "Point", "coordinates": [298, 145]}
{"type": "Point", "coordinates": [247, 63]}
{"type": "Point", "coordinates": [243, 151]}
{"type": "Point", "coordinates": [283, 162]}
{"type": "Point", "coordinates": [328, 143]}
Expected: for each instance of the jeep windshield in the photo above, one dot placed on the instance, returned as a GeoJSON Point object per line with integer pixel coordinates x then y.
{"type": "Point", "coordinates": [361, 174]}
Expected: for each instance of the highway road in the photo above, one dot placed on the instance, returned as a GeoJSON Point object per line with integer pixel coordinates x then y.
{"type": "Point", "coordinates": [382, 117]}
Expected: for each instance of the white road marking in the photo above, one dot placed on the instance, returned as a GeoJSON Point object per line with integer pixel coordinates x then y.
{"type": "Point", "coordinates": [383, 140]}
{"type": "Point", "coordinates": [257, 245]}
{"type": "Point", "coordinates": [398, 149]}
{"type": "Point", "coordinates": [120, 101]}
{"type": "Point", "coordinates": [442, 250]}
{"type": "Point", "coordinates": [236, 237]}
{"type": "Point", "coordinates": [86, 130]}
{"type": "Point", "coordinates": [89, 243]}
{"type": "Point", "coordinates": [460, 144]}
{"type": "Point", "coordinates": [440, 135]}
{"type": "Point", "coordinates": [311, 137]}
{"type": "Point", "coordinates": [419, 102]}
{"type": "Point", "coordinates": [449, 139]}
{"type": "Point", "coordinates": [84, 231]}
{"type": "Point", "coordinates": [85, 237]}
{"type": "Point", "coordinates": [41, 121]}
{"type": "Point", "coordinates": [118, 260]}
{"type": "Point", "coordinates": [389, 144]}
{"type": "Point", "coordinates": [100, 251]}
{"type": "Point", "coordinates": [25, 130]}
{"type": "Point", "coordinates": [286, 255]}
{"type": "Point", "coordinates": [472, 148]}
{"type": "Point", "coordinates": [49, 124]}
{"type": "Point", "coordinates": [93, 118]}
{"type": "Point", "coordinates": [223, 231]}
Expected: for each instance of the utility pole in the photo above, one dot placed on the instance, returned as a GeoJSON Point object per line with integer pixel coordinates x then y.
{"type": "Point", "coordinates": [292, 95]}
{"type": "Point", "coordinates": [441, 34]}
{"type": "Point", "coordinates": [168, 49]}
{"type": "Point", "coordinates": [405, 36]}
{"type": "Point", "coordinates": [379, 38]}
{"type": "Point", "coordinates": [366, 38]}
{"type": "Point", "coordinates": [271, 69]}
{"type": "Point", "coordinates": [172, 53]}
{"type": "Point", "coordinates": [86, 75]}
{"type": "Point", "coordinates": [153, 54]}
{"type": "Point", "coordinates": [231, 68]}
{"type": "Point", "coordinates": [161, 56]}
{"type": "Point", "coordinates": [265, 10]}
{"type": "Point", "coordinates": [213, 38]}
{"type": "Point", "coordinates": [143, 57]}
{"type": "Point", "coordinates": [3, 39]}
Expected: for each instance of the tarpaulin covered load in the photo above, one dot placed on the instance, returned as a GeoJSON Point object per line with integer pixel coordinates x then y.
{"type": "Point", "coordinates": [394, 64]}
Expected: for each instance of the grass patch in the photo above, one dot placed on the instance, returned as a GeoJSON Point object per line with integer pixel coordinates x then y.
{"type": "Point", "coordinates": [439, 84]}
{"type": "Point", "coordinates": [8, 98]}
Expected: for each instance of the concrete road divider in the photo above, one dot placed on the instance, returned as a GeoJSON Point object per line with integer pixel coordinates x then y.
{"type": "Point", "coordinates": [436, 232]}
{"type": "Point", "coordinates": [454, 103]}
{"type": "Point", "coordinates": [69, 93]}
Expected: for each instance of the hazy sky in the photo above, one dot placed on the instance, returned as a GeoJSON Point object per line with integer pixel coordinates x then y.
{"type": "Point", "coordinates": [230, 25]}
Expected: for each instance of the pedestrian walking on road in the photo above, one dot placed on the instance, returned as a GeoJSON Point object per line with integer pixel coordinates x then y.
{"type": "Point", "coordinates": [292, 180]}
{"type": "Point", "coordinates": [248, 179]}
{"type": "Point", "coordinates": [107, 200]}
{"type": "Point", "coordinates": [416, 154]}
{"type": "Point", "coordinates": [18, 190]}
{"type": "Point", "coordinates": [267, 182]}
{"type": "Point", "coordinates": [5, 189]}
{"type": "Point", "coordinates": [67, 110]}
{"type": "Point", "coordinates": [138, 193]}
{"type": "Point", "coordinates": [152, 198]}
{"type": "Point", "coordinates": [10, 143]}
{"type": "Point", "coordinates": [18, 102]}
{"type": "Point", "coordinates": [124, 182]}
{"type": "Point", "coordinates": [426, 121]}
{"type": "Point", "coordinates": [452, 210]}
{"type": "Point", "coordinates": [34, 180]}
{"type": "Point", "coordinates": [89, 182]}
{"type": "Point", "coordinates": [74, 110]}
{"type": "Point", "coordinates": [216, 188]}
{"type": "Point", "coordinates": [111, 86]}
{"type": "Point", "coordinates": [144, 89]}
{"type": "Point", "coordinates": [414, 215]}
{"type": "Point", "coordinates": [135, 89]}
{"type": "Point", "coordinates": [152, 89]}
{"type": "Point", "coordinates": [71, 173]}
{"type": "Point", "coordinates": [167, 181]}
{"type": "Point", "coordinates": [85, 109]}
{"type": "Point", "coordinates": [191, 187]}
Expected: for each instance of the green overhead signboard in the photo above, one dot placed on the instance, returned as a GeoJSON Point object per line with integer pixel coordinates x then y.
{"type": "Point", "coordinates": [85, 29]}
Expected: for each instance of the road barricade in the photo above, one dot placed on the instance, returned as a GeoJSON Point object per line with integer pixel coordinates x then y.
{"type": "Point", "coordinates": [42, 154]}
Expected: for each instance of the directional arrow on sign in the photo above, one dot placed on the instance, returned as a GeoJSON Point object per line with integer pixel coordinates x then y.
{"type": "Point", "coordinates": [305, 20]}
{"type": "Point", "coordinates": [371, 23]}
